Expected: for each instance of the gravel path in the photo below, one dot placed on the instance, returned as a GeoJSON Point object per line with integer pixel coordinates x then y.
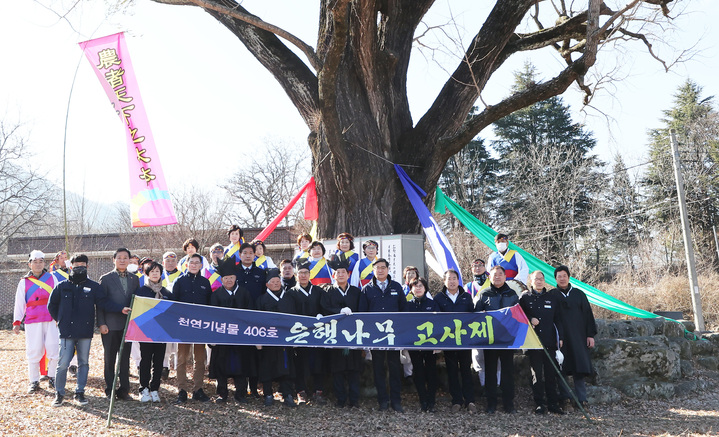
{"type": "Point", "coordinates": [31, 414]}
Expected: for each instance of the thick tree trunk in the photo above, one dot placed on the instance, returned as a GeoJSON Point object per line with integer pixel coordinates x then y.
{"type": "Point", "coordinates": [354, 99]}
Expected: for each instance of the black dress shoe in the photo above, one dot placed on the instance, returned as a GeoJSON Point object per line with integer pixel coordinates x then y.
{"type": "Point", "coordinates": [199, 395]}
{"type": "Point", "coordinates": [540, 410]}
{"type": "Point", "coordinates": [491, 409]}
{"type": "Point", "coordinates": [555, 409]}
{"type": "Point", "coordinates": [289, 401]}
{"type": "Point", "coordinates": [398, 408]}
{"type": "Point", "coordinates": [383, 406]}
{"type": "Point", "coordinates": [181, 397]}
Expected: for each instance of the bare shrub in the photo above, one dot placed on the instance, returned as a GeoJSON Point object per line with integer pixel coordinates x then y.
{"type": "Point", "coordinates": [670, 292]}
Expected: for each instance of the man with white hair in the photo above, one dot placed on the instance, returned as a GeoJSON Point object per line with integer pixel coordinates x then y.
{"type": "Point", "coordinates": [41, 335]}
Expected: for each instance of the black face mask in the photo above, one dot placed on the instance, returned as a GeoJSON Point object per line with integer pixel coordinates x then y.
{"type": "Point", "coordinates": [78, 274]}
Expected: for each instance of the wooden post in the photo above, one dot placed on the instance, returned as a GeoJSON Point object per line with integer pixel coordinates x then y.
{"type": "Point", "coordinates": [688, 247]}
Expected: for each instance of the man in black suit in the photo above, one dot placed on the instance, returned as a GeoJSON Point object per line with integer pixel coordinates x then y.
{"type": "Point", "coordinates": [119, 286]}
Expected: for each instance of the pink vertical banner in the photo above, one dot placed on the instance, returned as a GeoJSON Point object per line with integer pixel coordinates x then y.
{"type": "Point", "coordinates": [150, 203]}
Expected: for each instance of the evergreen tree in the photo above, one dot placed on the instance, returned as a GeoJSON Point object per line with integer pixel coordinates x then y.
{"type": "Point", "coordinates": [626, 221]}
{"type": "Point", "coordinates": [470, 179]}
{"type": "Point", "coordinates": [548, 180]}
{"type": "Point", "coordinates": [697, 130]}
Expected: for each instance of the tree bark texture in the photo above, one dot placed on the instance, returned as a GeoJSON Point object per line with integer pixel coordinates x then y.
{"type": "Point", "coordinates": [353, 96]}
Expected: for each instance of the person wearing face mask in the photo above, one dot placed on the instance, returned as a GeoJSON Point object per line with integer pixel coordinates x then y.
{"type": "Point", "coordinates": [510, 260]}
{"type": "Point", "coordinates": [72, 305]}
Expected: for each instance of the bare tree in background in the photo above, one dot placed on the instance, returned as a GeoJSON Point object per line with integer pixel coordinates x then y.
{"type": "Point", "coordinates": [264, 185]}
{"type": "Point", "coordinates": [24, 200]}
{"type": "Point", "coordinates": [200, 213]}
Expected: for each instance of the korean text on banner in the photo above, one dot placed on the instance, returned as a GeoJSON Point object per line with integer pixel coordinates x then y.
{"type": "Point", "coordinates": [163, 321]}
{"type": "Point", "coordinates": [150, 203]}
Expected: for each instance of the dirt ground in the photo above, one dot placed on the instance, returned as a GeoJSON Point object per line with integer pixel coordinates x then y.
{"type": "Point", "coordinates": [31, 414]}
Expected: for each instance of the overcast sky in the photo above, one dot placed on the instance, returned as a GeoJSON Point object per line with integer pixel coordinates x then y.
{"type": "Point", "coordinates": [212, 106]}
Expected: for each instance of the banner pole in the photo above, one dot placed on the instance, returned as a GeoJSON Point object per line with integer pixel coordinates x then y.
{"type": "Point", "coordinates": [117, 366]}
{"type": "Point", "coordinates": [566, 384]}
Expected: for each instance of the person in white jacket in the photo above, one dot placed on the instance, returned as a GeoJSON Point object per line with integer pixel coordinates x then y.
{"type": "Point", "coordinates": [41, 335]}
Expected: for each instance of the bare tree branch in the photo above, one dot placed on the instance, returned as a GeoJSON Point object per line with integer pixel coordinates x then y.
{"type": "Point", "coordinates": [234, 12]}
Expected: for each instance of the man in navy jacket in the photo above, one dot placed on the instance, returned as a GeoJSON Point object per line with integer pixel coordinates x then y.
{"type": "Point", "coordinates": [72, 305]}
{"type": "Point", "coordinates": [497, 296]}
{"type": "Point", "coordinates": [382, 294]}
{"type": "Point", "coordinates": [192, 287]}
{"type": "Point", "coordinates": [453, 299]}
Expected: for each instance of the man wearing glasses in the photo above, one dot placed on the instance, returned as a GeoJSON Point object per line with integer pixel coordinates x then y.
{"type": "Point", "coordinates": [480, 278]}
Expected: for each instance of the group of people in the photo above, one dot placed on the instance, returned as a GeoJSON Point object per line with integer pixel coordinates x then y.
{"type": "Point", "coordinates": [65, 304]}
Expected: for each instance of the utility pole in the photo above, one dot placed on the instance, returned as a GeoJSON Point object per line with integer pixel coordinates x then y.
{"type": "Point", "coordinates": [716, 242]}
{"type": "Point", "coordinates": [688, 247]}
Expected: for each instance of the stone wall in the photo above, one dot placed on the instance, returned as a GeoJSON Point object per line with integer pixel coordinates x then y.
{"type": "Point", "coordinates": [649, 359]}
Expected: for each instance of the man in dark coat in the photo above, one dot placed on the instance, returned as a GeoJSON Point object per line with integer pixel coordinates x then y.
{"type": "Point", "coordinates": [230, 361]}
{"type": "Point", "coordinates": [72, 305]}
{"type": "Point", "coordinates": [542, 309]}
{"type": "Point", "coordinates": [579, 331]}
{"type": "Point", "coordinates": [453, 299]}
{"type": "Point", "coordinates": [497, 296]}
{"type": "Point", "coordinates": [276, 362]}
{"type": "Point", "coordinates": [383, 295]}
{"type": "Point", "coordinates": [119, 286]}
{"type": "Point", "coordinates": [345, 364]}
{"type": "Point", "coordinates": [249, 276]}
{"type": "Point", "coordinates": [254, 280]}
{"type": "Point", "coordinates": [194, 288]}
{"type": "Point", "coordinates": [309, 361]}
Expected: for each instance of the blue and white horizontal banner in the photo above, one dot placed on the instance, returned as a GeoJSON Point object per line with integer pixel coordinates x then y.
{"type": "Point", "coordinates": [163, 321]}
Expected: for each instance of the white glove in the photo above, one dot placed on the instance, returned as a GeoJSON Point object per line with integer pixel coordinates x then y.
{"type": "Point", "coordinates": [346, 311]}
{"type": "Point", "coordinates": [319, 316]}
{"type": "Point", "coordinates": [560, 357]}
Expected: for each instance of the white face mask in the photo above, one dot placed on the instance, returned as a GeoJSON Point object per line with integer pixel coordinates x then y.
{"type": "Point", "coordinates": [132, 268]}
{"type": "Point", "coordinates": [501, 247]}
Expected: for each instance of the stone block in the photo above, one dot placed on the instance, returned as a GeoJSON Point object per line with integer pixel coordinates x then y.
{"type": "Point", "coordinates": [617, 360]}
